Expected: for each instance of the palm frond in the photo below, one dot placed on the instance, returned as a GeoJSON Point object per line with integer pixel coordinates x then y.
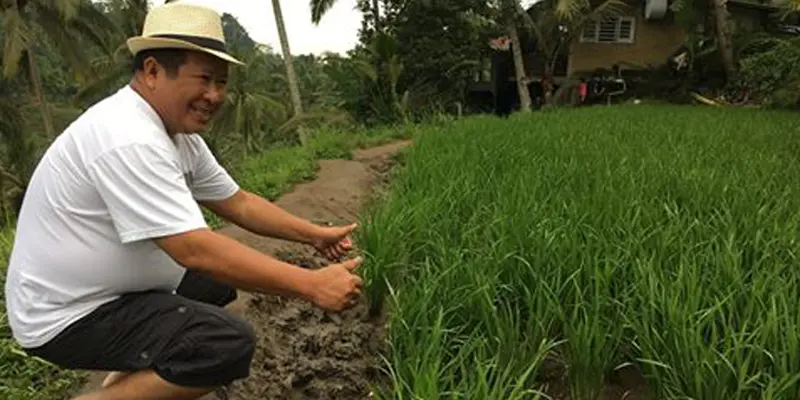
{"type": "Point", "coordinates": [270, 105]}
{"type": "Point", "coordinates": [67, 9]}
{"type": "Point", "coordinates": [20, 152]}
{"type": "Point", "coordinates": [91, 23]}
{"type": "Point", "coordinates": [112, 73]}
{"type": "Point", "coordinates": [62, 39]}
{"type": "Point", "coordinates": [569, 9]}
{"type": "Point", "coordinates": [319, 8]}
{"type": "Point", "coordinates": [606, 9]}
{"type": "Point", "coordinates": [16, 37]}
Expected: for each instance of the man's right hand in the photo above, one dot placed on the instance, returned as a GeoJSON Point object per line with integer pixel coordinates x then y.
{"type": "Point", "coordinates": [336, 288]}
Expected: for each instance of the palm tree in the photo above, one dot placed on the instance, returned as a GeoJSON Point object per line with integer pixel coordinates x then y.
{"type": "Point", "coordinates": [291, 75]}
{"type": "Point", "coordinates": [320, 7]}
{"type": "Point", "coordinates": [248, 107]}
{"type": "Point", "coordinates": [113, 66]}
{"type": "Point", "coordinates": [64, 23]}
{"type": "Point", "coordinates": [510, 11]}
{"type": "Point", "coordinates": [724, 38]}
{"type": "Point", "coordinates": [19, 159]}
{"type": "Point", "coordinates": [18, 149]}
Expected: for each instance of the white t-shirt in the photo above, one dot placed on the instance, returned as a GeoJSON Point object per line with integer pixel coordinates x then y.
{"type": "Point", "coordinates": [110, 182]}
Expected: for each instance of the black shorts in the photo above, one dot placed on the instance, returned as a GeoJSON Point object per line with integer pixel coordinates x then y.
{"type": "Point", "coordinates": [187, 339]}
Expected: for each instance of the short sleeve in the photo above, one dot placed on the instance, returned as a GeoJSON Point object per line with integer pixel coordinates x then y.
{"type": "Point", "coordinates": [145, 192]}
{"type": "Point", "coordinates": [209, 180]}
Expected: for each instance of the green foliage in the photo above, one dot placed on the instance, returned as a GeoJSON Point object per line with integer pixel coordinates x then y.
{"type": "Point", "coordinates": [60, 22]}
{"type": "Point", "coordinates": [441, 45]}
{"type": "Point", "coordinates": [333, 145]}
{"type": "Point", "coordinates": [319, 8]}
{"type": "Point", "coordinates": [770, 72]}
{"type": "Point", "coordinates": [661, 237]}
{"type": "Point", "coordinates": [272, 173]}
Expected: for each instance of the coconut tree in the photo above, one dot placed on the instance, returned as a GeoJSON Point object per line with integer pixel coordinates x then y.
{"type": "Point", "coordinates": [249, 110]}
{"type": "Point", "coordinates": [291, 75]}
{"type": "Point", "coordinates": [19, 151]}
{"type": "Point", "coordinates": [112, 67]}
{"type": "Point", "coordinates": [510, 12]}
{"type": "Point", "coordinates": [724, 39]}
{"type": "Point", "coordinates": [65, 23]}
{"type": "Point", "coordinates": [320, 7]}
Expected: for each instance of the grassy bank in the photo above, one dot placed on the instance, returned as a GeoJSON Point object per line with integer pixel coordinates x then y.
{"type": "Point", "coordinates": [659, 237]}
{"type": "Point", "coordinates": [270, 174]}
{"type": "Point", "coordinates": [275, 172]}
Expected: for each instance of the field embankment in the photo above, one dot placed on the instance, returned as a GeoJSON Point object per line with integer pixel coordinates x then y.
{"type": "Point", "coordinates": [571, 251]}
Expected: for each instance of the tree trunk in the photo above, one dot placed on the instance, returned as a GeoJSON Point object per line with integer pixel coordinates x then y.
{"type": "Point", "coordinates": [291, 76]}
{"type": "Point", "coordinates": [724, 38]}
{"type": "Point", "coordinates": [547, 83]}
{"type": "Point", "coordinates": [376, 12]}
{"type": "Point", "coordinates": [519, 69]}
{"type": "Point", "coordinates": [38, 93]}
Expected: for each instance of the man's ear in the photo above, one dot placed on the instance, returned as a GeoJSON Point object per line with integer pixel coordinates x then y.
{"type": "Point", "coordinates": [150, 72]}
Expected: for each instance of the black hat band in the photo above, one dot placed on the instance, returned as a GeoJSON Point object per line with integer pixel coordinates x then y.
{"type": "Point", "coordinates": [200, 41]}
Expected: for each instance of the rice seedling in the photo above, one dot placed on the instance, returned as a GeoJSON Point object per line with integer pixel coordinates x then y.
{"type": "Point", "coordinates": [654, 236]}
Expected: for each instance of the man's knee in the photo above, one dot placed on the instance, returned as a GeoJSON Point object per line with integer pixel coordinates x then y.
{"type": "Point", "coordinates": [214, 349]}
{"type": "Point", "coordinates": [243, 341]}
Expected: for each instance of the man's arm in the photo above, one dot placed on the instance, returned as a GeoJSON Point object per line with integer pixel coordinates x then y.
{"type": "Point", "coordinates": [238, 265]}
{"type": "Point", "coordinates": [147, 199]}
{"type": "Point", "coordinates": [261, 216]}
{"type": "Point", "coordinates": [228, 261]}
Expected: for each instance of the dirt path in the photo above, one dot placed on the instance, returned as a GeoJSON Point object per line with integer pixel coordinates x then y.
{"type": "Point", "coordinates": [305, 353]}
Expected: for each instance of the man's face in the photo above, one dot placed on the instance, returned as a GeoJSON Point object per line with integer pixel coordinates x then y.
{"type": "Point", "coordinates": [189, 100]}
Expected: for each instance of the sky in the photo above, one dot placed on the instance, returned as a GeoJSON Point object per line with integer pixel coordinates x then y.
{"type": "Point", "coordinates": [337, 32]}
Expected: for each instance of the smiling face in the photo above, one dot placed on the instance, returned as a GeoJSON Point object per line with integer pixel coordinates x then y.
{"type": "Point", "coordinates": [186, 95]}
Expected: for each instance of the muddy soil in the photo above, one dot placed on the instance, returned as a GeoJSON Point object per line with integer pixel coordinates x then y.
{"type": "Point", "coordinates": [303, 352]}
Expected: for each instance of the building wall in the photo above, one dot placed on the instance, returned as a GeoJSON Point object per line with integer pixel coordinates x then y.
{"type": "Point", "coordinates": [653, 43]}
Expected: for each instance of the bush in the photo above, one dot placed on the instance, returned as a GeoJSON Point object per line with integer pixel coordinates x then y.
{"type": "Point", "coordinates": [770, 72]}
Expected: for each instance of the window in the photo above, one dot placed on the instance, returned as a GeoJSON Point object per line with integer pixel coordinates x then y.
{"type": "Point", "coordinates": [614, 30]}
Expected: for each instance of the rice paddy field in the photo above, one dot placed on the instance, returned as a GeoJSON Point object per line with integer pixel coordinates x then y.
{"type": "Point", "coordinates": [545, 254]}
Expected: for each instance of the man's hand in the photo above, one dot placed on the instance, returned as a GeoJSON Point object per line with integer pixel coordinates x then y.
{"type": "Point", "coordinates": [336, 288]}
{"type": "Point", "coordinates": [334, 241]}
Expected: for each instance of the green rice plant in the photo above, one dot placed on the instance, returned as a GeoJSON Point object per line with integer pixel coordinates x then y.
{"type": "Point", "coordinates": [654, 236]}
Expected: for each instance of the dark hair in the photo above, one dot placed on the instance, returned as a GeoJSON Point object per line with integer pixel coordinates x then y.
{"type": "Point", "coordinates": [170, 59]}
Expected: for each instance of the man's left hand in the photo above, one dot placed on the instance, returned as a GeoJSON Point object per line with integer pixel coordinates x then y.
{"type": "Point", "coordinates": [334, 241]}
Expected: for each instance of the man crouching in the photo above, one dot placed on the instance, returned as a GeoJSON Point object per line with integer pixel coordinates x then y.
{"type": "Point", "coordinates": [113, 267]}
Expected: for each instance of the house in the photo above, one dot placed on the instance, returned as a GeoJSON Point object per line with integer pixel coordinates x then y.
{"type": "Point", "coordinates": [646, 35]}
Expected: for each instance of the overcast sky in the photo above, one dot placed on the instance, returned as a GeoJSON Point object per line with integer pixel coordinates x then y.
{"type": "Point", "coordinates": [337, 32]}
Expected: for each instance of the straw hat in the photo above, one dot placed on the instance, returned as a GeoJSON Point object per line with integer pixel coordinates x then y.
{"type": "Point", "coordinates": [183, 26]}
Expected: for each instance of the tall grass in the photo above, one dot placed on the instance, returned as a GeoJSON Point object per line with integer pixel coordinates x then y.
{"type": "Point", "coordinates": [661, 237]}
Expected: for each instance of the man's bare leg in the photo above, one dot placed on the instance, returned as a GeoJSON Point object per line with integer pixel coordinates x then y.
{"type": "Point", "coordinates": [113, 377]}
{"type": "Point", "coordinates": [145, 385]}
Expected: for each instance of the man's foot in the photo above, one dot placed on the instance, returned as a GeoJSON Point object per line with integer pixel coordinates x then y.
{"type": "Point", "coordinates": [114, 377]}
